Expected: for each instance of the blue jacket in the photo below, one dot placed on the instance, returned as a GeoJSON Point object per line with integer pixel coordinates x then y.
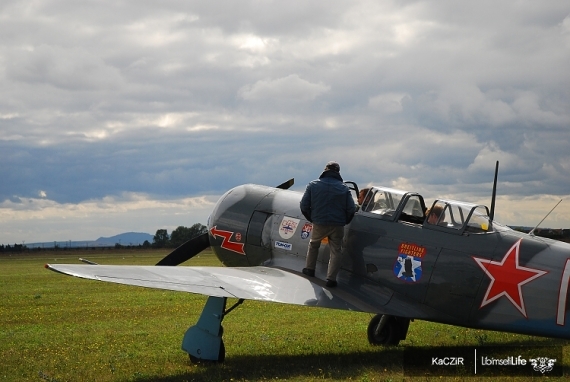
{"type": "Point", "coordinates": [327, 201]}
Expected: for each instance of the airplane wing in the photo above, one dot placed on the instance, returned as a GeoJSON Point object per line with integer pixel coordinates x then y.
{"type": "Point", "coordinates": [250, 283]}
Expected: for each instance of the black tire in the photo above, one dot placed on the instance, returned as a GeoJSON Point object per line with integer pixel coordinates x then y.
{"type": "Point", "coordinates": [389, 336]}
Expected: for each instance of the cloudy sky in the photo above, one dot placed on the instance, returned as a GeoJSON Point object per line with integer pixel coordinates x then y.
{"type": "Point", "coordinates": [121, 116]}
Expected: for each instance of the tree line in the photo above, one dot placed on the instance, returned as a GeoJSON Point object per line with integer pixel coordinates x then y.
{"type": "Point", "coordinates": [178, 237]}
{"type": "Point", "coordinates": [14, 248]}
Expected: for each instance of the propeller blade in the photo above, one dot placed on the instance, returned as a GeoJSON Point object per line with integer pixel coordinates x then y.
{"type": "Point", "coordinates": [286, 185]}
{"type": "Point", "coordinates": [88, 261]}
{"type": "Point", "coordinates": [187, 250]}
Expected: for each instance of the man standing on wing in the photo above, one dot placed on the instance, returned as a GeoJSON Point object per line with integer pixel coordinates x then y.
{"type": "Point", "coordinates": [328, 204]}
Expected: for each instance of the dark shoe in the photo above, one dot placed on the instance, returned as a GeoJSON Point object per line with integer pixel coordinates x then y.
{"type": "Point", "coordinates": [309, 272]}
{"type": "Point", "coordinates": [331, 283]}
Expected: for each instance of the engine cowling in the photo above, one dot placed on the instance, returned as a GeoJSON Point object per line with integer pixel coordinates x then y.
{"type": "Point", "coordinates": [244, 224]}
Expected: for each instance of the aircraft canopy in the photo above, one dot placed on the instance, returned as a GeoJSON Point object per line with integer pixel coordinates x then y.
{"type": "Point", "coordinates": [457, 217]}
{"type": "Point", "coordinates": [463, 217]}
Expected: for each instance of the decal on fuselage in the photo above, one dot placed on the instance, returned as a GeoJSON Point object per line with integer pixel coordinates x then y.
{"type": "Point", "coordinates": [408, 265]}
{"type": "Point", "coordinates": [226, 242]}
{"type": "Point", "coordinates": [283, 245]}
{"type": "Point", "coordinates": [306, 230]}
{"type": "Point", "coordinates": [288, 227]}
{"type": "Point", "coordinates": [507, 278]}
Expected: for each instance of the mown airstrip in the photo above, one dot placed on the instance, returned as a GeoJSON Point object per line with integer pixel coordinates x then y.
{"type": "Point", "coordinates": [60, 328]}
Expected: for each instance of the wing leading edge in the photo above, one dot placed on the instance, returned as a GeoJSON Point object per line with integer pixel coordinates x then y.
{"type": "Point", "coordinates": [251, 283]}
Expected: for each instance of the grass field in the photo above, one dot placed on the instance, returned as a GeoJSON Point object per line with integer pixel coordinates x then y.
{"type": "Point", "coordinates": [60, 328]}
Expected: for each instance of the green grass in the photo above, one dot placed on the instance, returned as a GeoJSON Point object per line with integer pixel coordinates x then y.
{"type": "Point", "coordinates": [60, 328]}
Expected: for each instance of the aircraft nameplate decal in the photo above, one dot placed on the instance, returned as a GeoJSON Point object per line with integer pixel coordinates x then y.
{"type": "Point", "coordinates": [288, 227]}
{"type": "Point", "coordinates": [233, 246]}
{"type": "Point", "coordinates": [507, 278]}
{"type": "Point", "coordinates": [408, 265]}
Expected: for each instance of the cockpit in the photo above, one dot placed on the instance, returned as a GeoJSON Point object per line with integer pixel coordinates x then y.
{"type": "Point", "coordinates": [392, 204]}
{"type": "Point", "coordinates": [409, 207]}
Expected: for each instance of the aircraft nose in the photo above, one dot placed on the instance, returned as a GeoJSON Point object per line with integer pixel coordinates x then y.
{"type": "Point", "coordinates": [230, 220]}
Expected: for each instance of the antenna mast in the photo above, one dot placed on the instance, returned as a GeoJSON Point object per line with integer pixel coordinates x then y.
{"type": "Point", "coordinates": [493, 197]}
{"type": "Point", "coordinates": [532, 230]}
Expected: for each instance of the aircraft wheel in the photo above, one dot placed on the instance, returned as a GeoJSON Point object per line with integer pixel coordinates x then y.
{"type": "Point", "coordinates": [388, 336]}
{"type": "Point", "coordinates": [221, 356]}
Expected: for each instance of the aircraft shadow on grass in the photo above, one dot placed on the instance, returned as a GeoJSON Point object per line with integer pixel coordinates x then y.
{"type": "Point", "coordinates": [269, 367]}
{"type": "Point", "coordinates": [378, 361]}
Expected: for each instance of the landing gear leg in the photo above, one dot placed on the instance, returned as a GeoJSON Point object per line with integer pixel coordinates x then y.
{"type": "Point", "coordinates": [203, 341]}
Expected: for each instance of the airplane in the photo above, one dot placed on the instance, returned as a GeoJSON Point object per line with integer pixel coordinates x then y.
{"type": "Point", "coordinates": [458, 267]}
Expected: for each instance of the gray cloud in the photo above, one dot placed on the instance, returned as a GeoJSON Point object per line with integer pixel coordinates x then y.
{"type": "Point", "coordinates": [185, 99]}
{"type": "Point", "coordinates": [72, 69]}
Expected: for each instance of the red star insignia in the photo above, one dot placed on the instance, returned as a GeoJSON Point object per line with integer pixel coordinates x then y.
{"type": "Point", "coordinates": [507, 278]}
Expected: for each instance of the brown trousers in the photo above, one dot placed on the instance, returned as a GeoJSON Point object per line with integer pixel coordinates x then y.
{"type": "Point", "coordinates": [335, 233]}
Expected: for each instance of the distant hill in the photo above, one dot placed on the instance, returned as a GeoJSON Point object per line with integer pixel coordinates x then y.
{"type": "Point", "coordinates": [128, 238]}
